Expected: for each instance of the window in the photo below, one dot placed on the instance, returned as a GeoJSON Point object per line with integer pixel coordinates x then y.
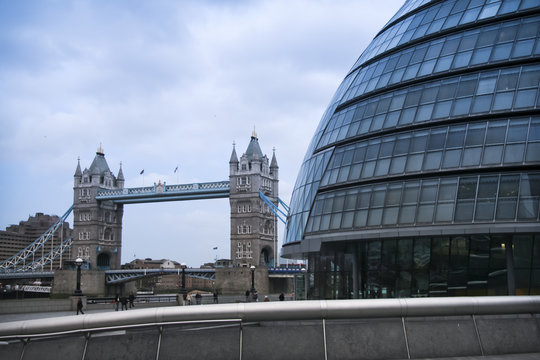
{"type": "Point", "coordinates": [243, 250]}
{"type": "Point", "coordinates": [244, 207]}
{"type": "Point", "coordinates": [244, 229]}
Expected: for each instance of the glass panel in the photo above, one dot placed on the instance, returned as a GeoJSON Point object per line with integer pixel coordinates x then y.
{"type": "Point", "coordinates": [447, 190]}
{"type": "Point", "coordinates": [360, 219]}
{"type": "Point", "coordinates": [462, 106]}
{"type": "Point", "coordinates": [455, 137]}
{"type": "Point", "coordinates": [390, 215]}
{"type": "Point", "coordinates": [433, 160]}
{"type": "Point", "coordinates": [506, 209]}
{"type": "Point", "coordinates": [482, 103]}
{"type": "Point", "coordinates": [485, 209]}
{"type": "Point", "coordinates": [398, 165]}
{"type": "Point", "coordinates": [533, 152]}
{"type": "Point", "coordinates": [472, 156]}
{"type": "Point", "coordinates": [528, 209]}
{"type": "Point", "coordinates": [514, 153]}
{"type": "Point", "coordinates": [421, 253]}
{"type": "Point", "coordinates": [444, 212]}
{"type": "Point", "coordinates": [406, 215]}
{"type": "Point", "coordinates": [347, 221]}
{"type": "Point", "coordinates": [382, 167]}
{"type": "Point", "coordinates": [414, 162]}
{"type": "Point", "coordinates": [425, 213]}
{"type": "Point", "coordinates": [475, 135]}
{"type": "Point", "coordinates": [374, 217]}
{"type": "Point", "coordinates": [410, 193]}
{"type": "Point", "coordinates": [503, 100]}
{"type": "Point", "coordinates": [492, 155]}
{"type": "Point", "coordinates": [525, 98]}
{"type": "Point", "coordinates": [517, 131]}
{"type": "Point", "coordinates": [451, 159]}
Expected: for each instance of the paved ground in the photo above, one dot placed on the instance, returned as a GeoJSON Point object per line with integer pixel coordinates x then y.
{"type": "Point", "coordinates": [89, 310]}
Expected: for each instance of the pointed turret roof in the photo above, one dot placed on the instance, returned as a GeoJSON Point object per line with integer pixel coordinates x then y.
{"type": "Point", "coordinates": [234, 158]}
{"type": "Point", "coordinates": [120, 173]}
{"type": "Point", "coordinates": [99, 165]}
{"type": "Point", "coordinates": [274, 164]}
{"type": "Point", "coordinates": [254, 150]}
{"type": "Point", "coordinates": [78, 171]}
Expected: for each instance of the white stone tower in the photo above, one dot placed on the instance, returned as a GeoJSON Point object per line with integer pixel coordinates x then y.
{"type": "Point", "coordinates": [253, 224]}
{"type": "Point", "coordinates": [97, 225]}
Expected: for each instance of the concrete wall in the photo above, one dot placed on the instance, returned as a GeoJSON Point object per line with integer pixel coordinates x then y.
{"type": "Point", "coordinates": [235, 281]}
{"type": "Point", "coordinates": [69, 304]}
{"type": "Point", "coordinates": [359, 339]}
{"type": "Point", "coordinates": [92, 282]}
{"type": "Point", "coordinates": [34, 305]}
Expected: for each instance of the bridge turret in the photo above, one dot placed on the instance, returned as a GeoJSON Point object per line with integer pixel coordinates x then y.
{"type": "Point", "coordinates": [97, 225]}
{"type": "Point", "coordinates": [252, 223]}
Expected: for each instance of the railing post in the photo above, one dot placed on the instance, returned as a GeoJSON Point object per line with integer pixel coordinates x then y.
{"type": "Point", "coordinates": [405, 336]}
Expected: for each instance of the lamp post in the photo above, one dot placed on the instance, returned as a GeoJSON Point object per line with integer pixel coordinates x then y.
{"type": "Point", "coordinates": [252, 267]}
{"type": "Point", "coordinates": [183, 287]}
{"type": "Point", "coordinates": [78, 291]}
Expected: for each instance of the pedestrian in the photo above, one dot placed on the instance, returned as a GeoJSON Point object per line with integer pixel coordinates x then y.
{"type": "Point", "coordinates": [79, 306]}
{"type": "Point", "coordinates": [131, 299]}
{"type": "Point", "coordinates": [117, 302]}
{"type": "Point", "coordinates": [247, 295]}
{"type": "Point", "coordinates": [255, 297]}
{"type": "Point", "coordinates": [198, 298]}
{"type": "Point", "coordinates": [215, 297]}
{"type": "Point", "coordinates": [124, 301]}
{"type": "Point", "coordinates": [281, 297]}
{"type": "Point", "coordinates": [188, 299]}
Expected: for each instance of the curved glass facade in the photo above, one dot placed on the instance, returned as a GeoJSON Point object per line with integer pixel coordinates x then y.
{"type": "Point", "coordinates": [423, 176]}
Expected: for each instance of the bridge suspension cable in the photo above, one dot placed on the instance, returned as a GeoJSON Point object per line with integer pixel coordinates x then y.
{"type": "Point", "coordinates": [281, 215]}
{"type": "Point", "coordinates": [49, 258]}
{"type": "Point", "coordinates": [14, 263]}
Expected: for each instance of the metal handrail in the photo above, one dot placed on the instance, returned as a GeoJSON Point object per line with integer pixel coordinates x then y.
{"type": "Point", "coordinates": [277, 311]}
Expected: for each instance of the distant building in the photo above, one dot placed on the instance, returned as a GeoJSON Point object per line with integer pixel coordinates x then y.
{"type": "Point", "coordinates": [169, 281]}
{"type": "Point", "coordinates": [161, 282]}
{"type": "Point", "coordinates": [17, 237]}
{"type": "Point", "coordinates": [423, 177]}
{"type": "Point", "coordinates": [253, 224]}
{"type": "Point", "coordinates": [223, 263]}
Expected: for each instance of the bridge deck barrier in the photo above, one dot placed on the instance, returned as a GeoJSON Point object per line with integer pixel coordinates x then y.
{"type": "Point", "coordinates": [338, 329]}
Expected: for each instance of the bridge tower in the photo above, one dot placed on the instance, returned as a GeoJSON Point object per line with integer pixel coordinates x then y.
{"type": "Point", "coordinates": [253, 225]}
{"type": "Point", "coordinates": [97, 225]}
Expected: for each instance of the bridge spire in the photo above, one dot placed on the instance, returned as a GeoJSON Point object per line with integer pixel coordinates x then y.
{"type": "Point", "coordinates": [234, 157]}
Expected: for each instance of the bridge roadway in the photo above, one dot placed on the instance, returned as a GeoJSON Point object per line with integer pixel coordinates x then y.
{"type": "Point", "coordinates": [126, 275]}
{"type": "Point", "coordinates": [163, 192]}
{"type": "Point", "coordinates": [459, 328]}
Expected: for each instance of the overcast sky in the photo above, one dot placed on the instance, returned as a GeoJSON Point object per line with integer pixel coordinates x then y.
{"type": "Point", "coordinates": [162, 84]}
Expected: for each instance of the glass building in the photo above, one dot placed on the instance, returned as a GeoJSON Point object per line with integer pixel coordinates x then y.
{"type": "Point", "coordinates": [423, 176]}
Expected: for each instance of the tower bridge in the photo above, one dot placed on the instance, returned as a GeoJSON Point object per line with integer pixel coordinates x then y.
{"type": "Point", "coordinates": [252, 189]}
{"type": "Point", "coordinates": [98, 205]}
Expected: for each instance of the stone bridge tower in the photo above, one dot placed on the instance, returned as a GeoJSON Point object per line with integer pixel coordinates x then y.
{"type": "Point", "coordinates": [97, 225]}
{"type": "Point", "coordinates": [253, 224]}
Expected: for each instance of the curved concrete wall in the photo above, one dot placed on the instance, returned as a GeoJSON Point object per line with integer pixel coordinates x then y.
{"type": "Point", "coordinates": [340, 329]}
